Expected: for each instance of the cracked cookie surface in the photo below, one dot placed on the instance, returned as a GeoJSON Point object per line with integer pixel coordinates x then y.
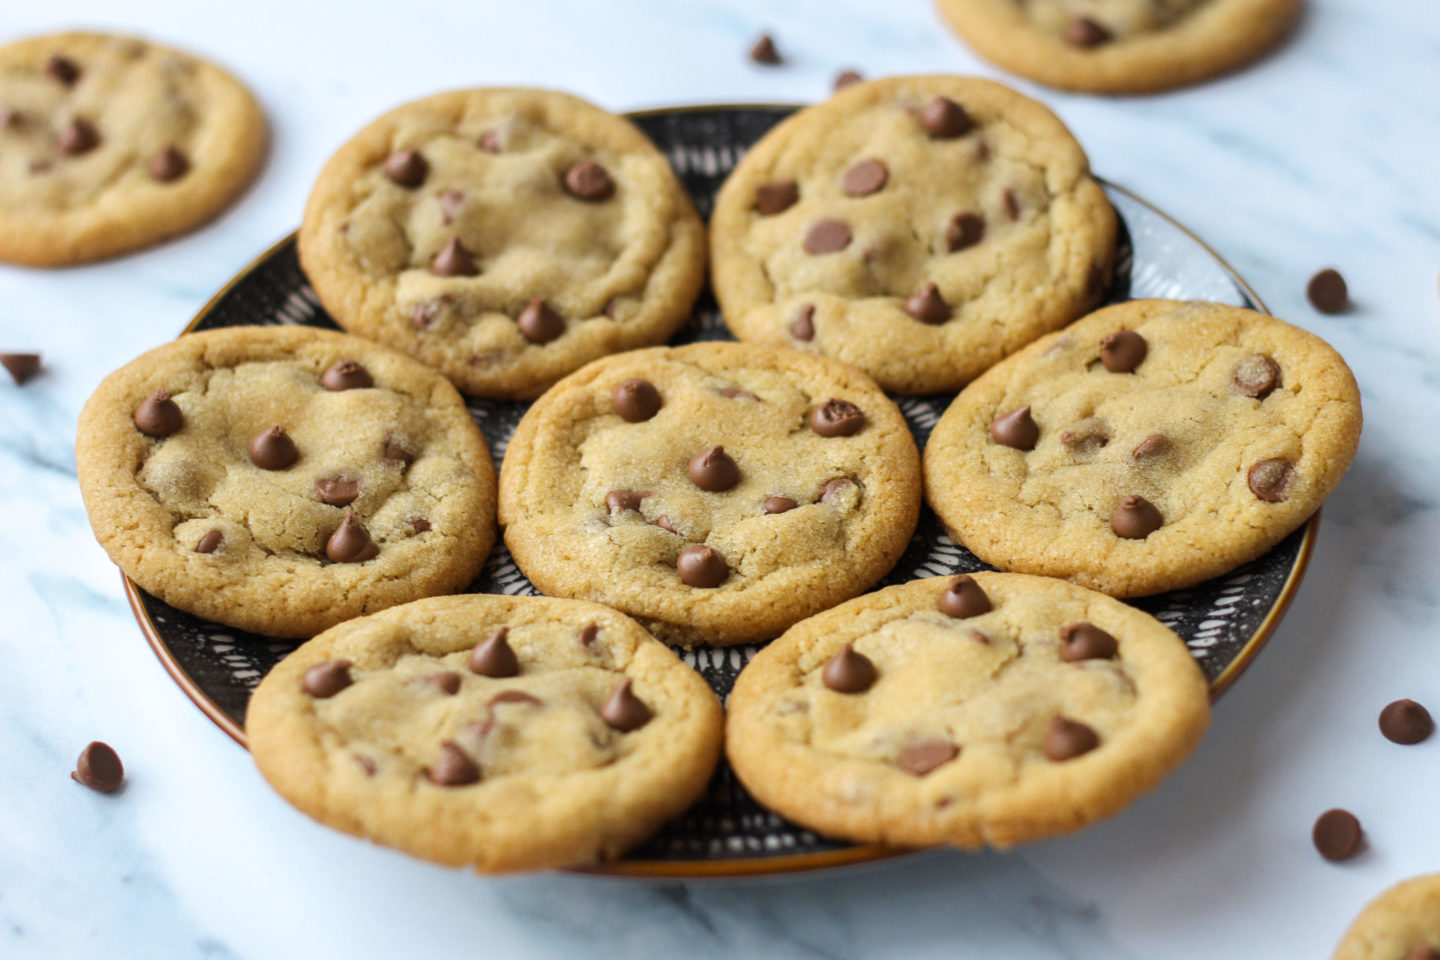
{"type": "Point", "coordinates": [376, 488]}
{"type": "Point", "coordinates": [1403, 923]}
{"type": "Point", "coordinates": [110, 143]}
{"type": "Point", "coordinates": [990, 711]}
{"type": "Point", "coordinates": [505, 237]}
{"type": "Point", "coordinates": [920, 228]}
{"type": "Point", "coordinates": [504, 733]}
{"type": "Point", "coordinates": [1147, 447]}
{"type": "Point", "coordinates": [734, 491]}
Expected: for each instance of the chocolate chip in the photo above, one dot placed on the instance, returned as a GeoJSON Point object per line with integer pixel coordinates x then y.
{"type": "Point", "coordinates": [419, 524]}
{"type": "Point", "coordinates": [618, 501]}
{"type": "Point", "coordinates": [350, 543]}
{"type": "Point", "coordinates": [1086, 33]}
{"type": "Point", "coordinates": [454, 260]}
{"type": "Point", "coordinates": [450, 201]}
{"type": "Point", "coordinates": [865, 178]}
{"type": "Point", "coordinates": [588, 633]}
{"type": "Point", "coordinates": [665, 523]}
{"type": "Point", "coordinates": [944, 119]}
{"type": "Point", "coordinates": [158, 415]}
{"type": "Point", "coordinates": [447, 682]}
{"type": "Point", "coordinates": [964, 598]}
{"type": "Point", "coordinates": [763, 51]}
{"type": "Point", "coordinates": [20, 366]}
{"type": "Point", "coordinates": [324, 680]}
{"type": "Point", "coordinates": [848, 671]}
{"type": "Point", "coordinates": [366, 764]}
{"type": "Point", "coordinates": [77, 137]}
{"type": "Point", "coordinates": [1152, 446]}
{"type": "Point", "coordinates": [1327, 291]}
{"type": "Point", "coordinates": [635, 400]}
{"type": "Point", "coordinates": [453, 767]}
{"type": "Point", "coordinates": [713, 469]}
{"type": "Point", "coordinates": [1422, 951]}
{"type": "Point", "coordinates": [1016, 429]}
{"type": "Point", "coordinates": [346, 375]}
{"type": "Point", "coordinates": [1135, 518]}
{"type": "Point", "coordinates": [406, 168]}
{"type": "Point", "coordinates": [62, 68]}
{"type": "Point", "coordinates": [589, 181]}
{"type": "Point", "coordinates": [337, 491]}
{"type": "Point", "coordinates": [99, 768]}
{"type": "Point", "coordinates": [210, 542]}
{"type": "Point", "coordinates": [423, 316]}
{"type": "Point", "coordinates": [847, 78]}
{"type": "Point", "coordinates": [777, 197]}
{"type": "Point", "coordinates": [827, 236]}
{"type": "Point", "coordinates": [832, 487]}
{"type": "Point", "coordinates": [272, 449]}
{"type": "Point", "coordinates": [169, 164]}
{"type": "Point", "coordinates": [802, 327]}
{"type": "Point", "coordinates": [928, 306]}
{"type": "Point", "coordinates": [1337, 835]}
{"type": "Point", "coordinates": [10, 117]}
{"type": "Point", "coordinates": [1123, 351]}
{"type": "Point", "coordinates": [732, 393]}
{"type": "Point", "coordinates": [778, 505]}
{"type": "Point", "coordinates": [515, 696]}
{"type": "Point", "coordinates": [837, 418]}
{"type": "Point", "coordinates": [538, 323]}
{"type": "Point", "coordinates": [1085, 641]}
{"type": "Point", "coordinates": [1012, 203]}
{"type": "Point", "coordinates": [492, 142]}
{"type": "Point", "coordinates": [965, 230]}
{"type": "Point", "coordinates": [1256, 376]}
{"type": "Point", "coordinates": [397, 453]}
{"type": "Point", "coordinates": [1406, 721]}
{"type": "Point", "coordinates": [1087, 436]}
{"type": "Point", "coordinates": [494, 657]}
{"type": "Point", "coordinates": [1067, 739]}
{"type": "Point", "coordinates": [1270, 480]}
{"type": "Point", "coordinates": [624, 711]}
{"type": "Point", "coordinates": [923, 756]}
{"type": "Point", "coordinates": [700, 566]}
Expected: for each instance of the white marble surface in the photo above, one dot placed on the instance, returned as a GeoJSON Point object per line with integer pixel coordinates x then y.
{"type": "Point", "coordinates": [1323, 154]}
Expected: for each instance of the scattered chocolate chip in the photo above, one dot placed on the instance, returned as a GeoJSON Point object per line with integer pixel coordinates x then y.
{"type": "Point", "coordinates": [1123, 351]}
{"type": "Point", "coordinates": [1327, 292]}
{"type": "Point", "coordinates": [832, 487]}
{"type": "Point", "coordinates": [635, 400]}
{"type": "Point", "coordinates": [1067, 739]}
{"type": "Point", "coordinates": [62, 68]}
{"type": "Point", "coordinates": [665, 523]}
{"type": "Point", "coordinates": [848, 671]}
{"type": "Point", "coordinates": [764, 51]}
{"type": "Point", "coordinates": [210, 542]}
{"type": "Point", "coordinates": [1270, 480]}
{"type": "Point", "coordinates": [700, 566]}
{"type": "Point", "coordinates": [837, 418]}
{"type": "Point", "coordinates": [1016, 429]}
{"type": "Point", "coordinates": [1086, 33]}
{"type": "Point", "coordinates": [943, 119]}
{"type": "Point", "coordinates": [778, 505]}
{"type": "Point", "coordinates": [777, 197]}
{"type": "Point", "coordinates": [589, 181]}
{"type": "Point", "coordinates": [494, 657]}
{"type": "Point", "coordinates": [454, 260]}
{"type": "Point", "coordinates": [450, 201]}
{"type": "Point", "coordinates": [588, 633]}
{"type": "Point", "coordinates": [1135, 518]}
{"type": "Point", "coordinates": [272, 449]}
{"type": "Point", "coordinates": [538, 323]}
{"type": "Point", "coordinates": [99, 768]}
{"type": "Point", "coordinates": [346, 375]}
{"type": "Point", "coordinates": [713, 469]}
{"type": "Point", "coordinates": [1406, 721]}
{"type": "Point", "coordinates": [169, 164]}
{"type": "Point", "coordinates": [20, 366]}
{"type": "Point", "coordinates": [963, 598]}
{"type": "Point", "coordinates": [397, 453]}
{"type": "Point", "coordinates": [453, 768]}
{"type": "Point", "coordinates": [924, 756]}
{"type": "Point", "coordinates": [419, 524]}
{"type": "Point", "coordinates": [350, 543]}
{"type": "Point", "coordinates": [827, 236]}
{"type": "Point", "coordinates": [965, 230]}
{"type": "Point", "coordinates": [1012, 203]}
{"type": "Point", "coordinates": [324, 680]}
{"type": "Point", "coordinates": [1087, 436]}
{"type": "Point", "coordinates": [337, 491]}
{"type": "Point", "coordinates": [447, 682]}
{"type": "Point", "coordinates": [618, 501]}
{"type": "Point", "coordinates": [424, 316]}
{"type": "Point", "coordinates": [158, 415]}
{"type": "Point", "coordinates": [1085, 641]}
{"type": "Point", "coordinates": [624, 711]}
{"type": "Point", "coordinates": [1256, 376]}
{"type": "Point", "coordinates": [1337, 835]}
{"type": "Point", "coordinates": [731, 393]}
{"type": "Point", "coordinates": [847, 78]}
{"type": "Point", "coordinates": [406, 168]}
{"type": "Point", "coordinates": [865, 178]}
{"type": "Point", "coordinates": [928, 306]}
{"type": "Point", "coordinates": [515, 696]}
{"type": "Point", "coordinates": [77, 137]}
{"type": "Point", "coordinates": [1152, 446]}
{"type": "Point", "coordinates": [802, 327]}
{"type": "Point", "coordinates": [366, 764]}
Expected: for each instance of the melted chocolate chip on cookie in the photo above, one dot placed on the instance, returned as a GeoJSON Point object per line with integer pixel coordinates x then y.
{"type": "Point", "coordinates": [494, 657]}
{"type": "Point", "coordinates": [624, 711]}
{"type": "Point", "coordinates": [945, 119]}
{"type": "Point", "coordinates": [272, 449]}
{"type": "Point", "coordinates": [346, 375]}
{"type": "Point", "coordinates": [590, 182]}
{"type": "Point", "coordinates": [1067, 739]}
{"type": "Point", "coordinates": [324, 680]}
{"type": "Point", "coordinates": [351, 543]}
{"type": "Point", "coordinates": [848, 671]}
{"type": "Point", "coordinates": [827, 236]}
{"type": "Point", "coordinates": [700, 566]}
{"type": "Point", "coordinates": [635, 400]}
{"type": "Point", "coordinates": [1135, 518]}
{"type": "Point", "coordinates": [168, 164]}
{"type": "Point", "coordinates": [1016, 429]}
{"type": "Point", "coordinates": [713, 469]}
{"type": "Point", "coordinates": [1085, 641]}
{"type": "Point", "coordinates": [407, 168]}
{"type": "Point", "coordinates": [837, 418]}
{"type": "Point", "coordinates": [777, 197]}
{"type": "Point", "coordinates": [964, 598]}
{"type": "Point", "coordinates": [928, 306]}
{"type": "Point", "coordinates": [158, 415]}
{"type": "Point", "coordinates": [924, 756]}
{"type": "Point", "coordinates": [865, 178]}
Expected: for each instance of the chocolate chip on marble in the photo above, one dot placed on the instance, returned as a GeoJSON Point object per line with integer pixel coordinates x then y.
{"type": "Point", "coordinates": [1087, 436]}
{"type": "Point", "coordinates": [964, 231]}
{"type": "Point", "coordinates": [454, 260]}
{"type": "Point", "coordinates": [99, 768]}
{"type": "Point", "coordinates": [158, 415]}
{"type": "Point", "coordinates": [589, 181]}
{"type": "Point", "coordinates": [1152, 446]}
{"type": "Point", "coordinates": [419, 524]}
{"type": "Point", "coordinates": [324, 680]}
{"type": "Point", "coordinates": [1016, 429]}
{"type": "Point", "coordinates": [539, 323]}
{"type": "Point", "coordinates": [764, 51]}
{"type": "Point", "coordinates": [1012, 203]}
{"type": "Point", "coordinates": [832, 487]}
{"type": "Point", "coordinates": [494, 657]}
{"type": "Point", "coordinates": [1085, 641]}
{"type": "Point", "coordinates": [77, 137]}
{"type": "Point", "coordinates": [928, 306]}
{"type": "Point", "coordinates": [635, 400]}
{"type": "Point", "coordinates": [865, 178]}
{"type": "Point", "coordinates": [398, 453]}
{"type": "Point", "coordinates": [778, 505]}
{"type": "Point", "coordinates": [1337, 835]}
{"type": "Point", "coordinates": [923, 756]}
{"type": "Point", "coordinates": [351, 543]}
{"type": "Point", "coordinates": [406, 168]}
{"type": "Point", "coordinates": [346, 375]}
{"type": "Point", "coordinates": [337, 491]}
{"type": "Point", "coordinates": [588, 633]}
{"type": "Point", "coordinates": [453, 767]}
{"type": "Point", "coordinates": [446, 681]}
{"type": "Point", "coordinates": [1406, 722]}
{"type": "Point", "coordinates": [515, 696]}
{"type": "Point", "coordinates": [776, 197]}
{"type": "Point", "coordinates": [210, 542]}
{"type": "Point", "coordinates": [21, 366]}
{"type": "Point", "coordinates": [62, 68]}
{"type": "Point", "coordinates": [1067, 739]}
{"type": "Point", "coordinates": [169, 164]}
{"type": "Point", "coordinates": [665, 523]}
{"type": "Point", "coordinates": [827, 236]}
{"type": "Point", "coordinates": [623, 710]}
{"type": "Point", "coordinates": [847, 78]}
{"type": "Point", "coordinates": [701, 566]}
{"type": "Point", "coordinates": [802, 327]}
{"type": "Point", "coordinates": [848, 671]}
{"type": "Point", "coordinates": [1327, 291]}
{"type": "Point", "coordinates": [1123, 351]}
{"type": "Point", "coordinates": [1256, 376]}
{"type": "Point", "coordinates": [618, 501]}
{"type": "Point", "coordinates": [837, 418]}
{"type": "Point", "coordinates": [1271, 480]}
{"type": "Point", "coordinates": [964, 598]}
{"type": "Point", "coordinates": [713, 469]}
{"type": "Point", "coordinates": [1135, 518]}
{"type": "Point", "coordinates": [450, 201]}
{"type": "Point", "coordinates": [1086, 33]}
{"type": "Point", "coordinates": [272, 449]}
{"type": "Point", "coordinates": [944, 119]}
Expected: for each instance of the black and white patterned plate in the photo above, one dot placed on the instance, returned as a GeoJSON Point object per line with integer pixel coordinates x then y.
{"type": "Point", "coordinates": [1224, 621]}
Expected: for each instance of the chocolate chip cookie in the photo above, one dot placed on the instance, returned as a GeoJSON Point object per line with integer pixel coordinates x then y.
{"type": "Point", "coordinates": [717, 492]}
{"type": "Point", "coordinates": [283, 479]}
{"type": "Point", "coordinates": [1120, 46]}
{"type": "Point", "coordinates": [109, 144]}
{"type": "Point", "coordinates": [920, 228]}
{"type": "Point", "coordinates": [503, 733]}
{"type": "Point", "coordinates": [982, 710]}
{"type": "Point", "coordinates": [1148, 447]}
{"type": "Point", "coordinates": [505, 237]}
{"type": "Point", "coordinates": [1403, 923]}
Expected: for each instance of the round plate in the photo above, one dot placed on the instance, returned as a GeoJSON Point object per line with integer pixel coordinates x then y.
{"type": "Point", "coordinates": [1224, 621]}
